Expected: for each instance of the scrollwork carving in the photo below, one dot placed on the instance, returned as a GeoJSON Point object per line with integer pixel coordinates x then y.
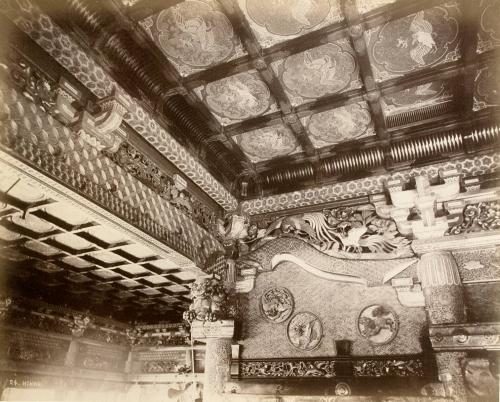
{"type": "Point", "coordinates": [479, 217]}
{"type": "Point", "coordinates": [300, 368]}
{"type": "Point", "coordinates": [392, 368]}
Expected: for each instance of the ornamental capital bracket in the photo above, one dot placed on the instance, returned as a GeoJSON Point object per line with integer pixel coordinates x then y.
{"type": "Point", "coordinates": [102, 129]}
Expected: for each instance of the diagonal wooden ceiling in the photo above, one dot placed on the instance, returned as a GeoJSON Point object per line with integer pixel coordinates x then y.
{"type": "Point", "coordinates": [266, 93]}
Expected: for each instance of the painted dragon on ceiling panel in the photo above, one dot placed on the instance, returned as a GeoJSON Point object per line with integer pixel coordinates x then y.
{"type": "Point", "coordinates": [237, 98]}
{"type": "Point", "coordinates": [324, 70]}
{"type": "Point", "coordinates": [489, 27]}
{"type": "Point", "coordinates": [275, 21]}
{"type": "Point", "coordinates": [268, 143]}
{"type": "Point", "coordinates": [194, 35]}
{"type": "Point", "coordinates": [334, 126]}
{"type": "Point", "coordinates": [424, 95]}
{"type": "Point", "coordinates": [426, 38]}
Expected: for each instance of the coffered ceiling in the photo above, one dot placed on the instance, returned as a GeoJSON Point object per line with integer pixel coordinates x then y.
{"type": "Point", "coordinates": [56, 252]}
{"type": "Point", "coordinates": [260, 89]}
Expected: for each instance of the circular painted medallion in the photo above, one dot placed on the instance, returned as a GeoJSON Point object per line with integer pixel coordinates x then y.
{"type": "Point", "coordinates": [195, 34]}
{"type": "Point", "coordinates": [288, 17]}
{"type": "Point", "coordinates": [416, 41]}
{"type": "Point", "coordinates": [337, 125]}
{"type": "Point", "coordinates": [267, 143]}
{"type": "Point", "coordinates": [320, 71]}
{"type": "Point", "coordinates": [379, 324]}
{"type": "Point", "coordinates": [238, 97]}
{"type": "Point", "coordinates": [305, 331]}
{"type": "Point", "coordinates": [276, 304]}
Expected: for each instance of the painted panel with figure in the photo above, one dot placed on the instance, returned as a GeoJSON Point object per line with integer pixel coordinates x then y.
{"type": "Point", "coordinates": [194, 35]}
{"type": "Point", "coordinates": [324, 70]}
{"type": "Point", "coordinates": [277, 21]}
{"type": "Point", "coordinates": [424, 39]}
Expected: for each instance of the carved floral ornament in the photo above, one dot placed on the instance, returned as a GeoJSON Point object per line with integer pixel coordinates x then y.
{"type": "Point", "coordinates": [212, 301]}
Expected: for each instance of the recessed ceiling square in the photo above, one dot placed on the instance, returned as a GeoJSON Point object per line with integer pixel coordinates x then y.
{"type": "Point", "coordinates": [424, 95]}
{"type": "Point", "coordinates": [237, 98]}
{"type": "Point", "coordinates": [324, 70]}
{"type": "Point", "coordinates": [427, 38]}
{"type": "Point", "coordinates": [107, 235]}
{"type": "Point", "coordinates": [194, 35]}
{"type": "Point", "coordinates": [274, 22]}
{"type": "Point", "coordinates": [334, 126]}
{"type": "Point", "coordinates": [268, 143]}
{"type": "Point", "coordinates": [67, 213]}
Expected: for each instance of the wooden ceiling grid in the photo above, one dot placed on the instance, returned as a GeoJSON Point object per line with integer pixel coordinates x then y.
{"type": "Point", "coordinates": [85, 264]}
{"type": "Point", "coordinates": [114, 35]}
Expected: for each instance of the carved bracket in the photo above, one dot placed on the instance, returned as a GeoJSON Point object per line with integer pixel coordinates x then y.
{"type": "Point", "coordinates": [419, 212]}
{"type": "Point", "coordinates": [409, 294]}
{"type": "Point", "coordinates": [102, 130]}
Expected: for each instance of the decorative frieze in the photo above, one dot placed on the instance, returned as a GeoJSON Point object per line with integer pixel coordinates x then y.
{"type": "Point", "coordinates": [477, 217]}
{"type": "Point", "coordinates": [171, 189]}
{"type": "Point", "coordinates": [408, 366]}
{"type": "Point", "coordinates": [389, 368]}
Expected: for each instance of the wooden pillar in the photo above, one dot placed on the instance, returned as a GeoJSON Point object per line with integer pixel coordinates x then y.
{"type": "Point", "coordinates": [444, 301]}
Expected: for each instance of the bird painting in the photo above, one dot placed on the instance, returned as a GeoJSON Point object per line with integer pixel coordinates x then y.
{"type": "Point", "coordinates": [422, 39]}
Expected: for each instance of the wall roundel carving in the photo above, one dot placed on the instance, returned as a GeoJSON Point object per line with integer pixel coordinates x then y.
{"type": "Point", "coordinates": [378, 323]}
{"type": "Point", "coordinates": [276, 304]}
{"type": "Point", "coordinates": [305, 331]}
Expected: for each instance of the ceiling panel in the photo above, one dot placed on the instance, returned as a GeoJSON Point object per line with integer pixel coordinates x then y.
{"type": "Point", "coordinates": [423, 39]}
{"type": "Point", "coordinates": [268, 143]}
{"type": "Point", "coordinates": [486, 88]}
{"type": "Point", "coordinates": [489, 26]}
{"type": "Point", "coordinates": [334, 126]}
{"type": "Point", "coordinates": [425, 95]}
{"type": "Point", "coordinates": [324, 70]}
{"type": "Point", "coordinates": [237, 98]}
{"type": "Point", "coordinates": [194, 35]}
{"type": "Point", "coordinates": [277, 21]}
{"type": "Point", "coordinates": [365, 6]}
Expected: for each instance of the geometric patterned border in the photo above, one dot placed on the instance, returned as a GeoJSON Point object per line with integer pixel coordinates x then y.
{"type": "Point", "coordinates": [67, 52]}
{"type": "Point", "coordinates": [469, 167]}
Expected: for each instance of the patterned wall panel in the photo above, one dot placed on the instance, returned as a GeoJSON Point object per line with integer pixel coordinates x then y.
{"type": "Point", "coordinates": [276, 21]}
{"type": "Point", "coordinates": [356, 188]}
{"type": "Point", "coordinates": [30, 122]}
{"type": "Point", "coordinates": [337, 306]}
{"type": "Point", "coordinates": [237, 98]}
{"type": "Point", "coordinates": [28, 17]}
{"type": "Point", "coordinates": [193, 35]}
{"type": "Point", "coordinates": [427, 38]}
{"type": "Point", "coordinates": [268, 143]}
{"type": "Point", "coordinates": [325, 70]}
{"type": "Point", "coordinates": [334, 126]}
{"type": "Point", "coordinates": [489, 26]}
{"type": "Point", "coordinates": [421, 96]}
